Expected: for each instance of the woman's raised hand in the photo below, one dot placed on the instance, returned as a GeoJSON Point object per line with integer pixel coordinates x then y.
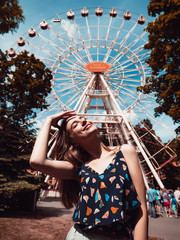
{"type": "Point", "coordinates": [62, 115]}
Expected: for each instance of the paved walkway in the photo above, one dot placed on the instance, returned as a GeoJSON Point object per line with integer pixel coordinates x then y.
{"type": "Point", "coordinates": [161, 227]}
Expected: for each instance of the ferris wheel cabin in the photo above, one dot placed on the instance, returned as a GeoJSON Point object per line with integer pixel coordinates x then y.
{"type": "Point", "coordinates": [32, 32]}
{"type": "Point", "coordinates": [84, 12]}
{"type": "Point", "coordinates": [99, 12]}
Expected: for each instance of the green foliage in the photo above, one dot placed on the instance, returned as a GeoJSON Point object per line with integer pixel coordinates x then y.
{"type": "Point", "coordinates": [17, 195]}
{"type": "Point", "coordinates": [172, 173]}
{"type": "Point", "coordinates": [11, 15]}
{"type": "Point", "coordinates": [17, 186]}
{"type": "Point", "coordinates": [164, 41]}
{"type": "Point", "coordinates": [25, 82]}
{"type": "Point", "coordinates": [24, 85]}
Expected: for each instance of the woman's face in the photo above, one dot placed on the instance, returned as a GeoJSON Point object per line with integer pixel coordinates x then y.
{"type": "Point", "coordinates": [80, 129]}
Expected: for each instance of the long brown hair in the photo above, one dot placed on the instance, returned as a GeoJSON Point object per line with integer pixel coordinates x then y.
{"type": "Point", "coordinates": [65, 150]}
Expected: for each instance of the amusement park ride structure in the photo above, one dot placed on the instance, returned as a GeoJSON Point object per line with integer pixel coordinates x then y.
{"type": "Point", "coordinates": [98, 60]}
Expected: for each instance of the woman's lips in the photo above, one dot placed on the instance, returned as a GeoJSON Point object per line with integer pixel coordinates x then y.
{"type": "Point", "coordinates": [87, 126]}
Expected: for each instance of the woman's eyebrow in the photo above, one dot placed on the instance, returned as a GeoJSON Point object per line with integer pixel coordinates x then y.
{"type": "Point", "coordinates": [73, 122]}
{"type": "Point", "coordinates": [81, 117]}
{"type": "Point", "coordinates": [76, 121]}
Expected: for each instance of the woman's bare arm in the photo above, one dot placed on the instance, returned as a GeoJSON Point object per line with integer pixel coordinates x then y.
{"type": "Point", "coordinates": [39, 160]}
{"type": "Point", "coordinates": [141, 228]}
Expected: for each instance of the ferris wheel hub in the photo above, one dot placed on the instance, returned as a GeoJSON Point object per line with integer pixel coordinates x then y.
{"type": "Point", "coordinates": [97, 67]}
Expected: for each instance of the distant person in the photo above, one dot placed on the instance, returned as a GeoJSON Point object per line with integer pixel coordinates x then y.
{"type": "Point", "coordinates": [173, 205]}
{"type": "Point", "coordinates": [177, 196]}
{"type": "Point", "coordinates": [166, 202]}
{"type": "Point", "coordinates": [162, 201]}
{"type": "Point", "coordinates": [105, 183]}
{"type": "Point", "coordinates": [152, 201]}
{"type": "Point", "coordinates": [158, 201]}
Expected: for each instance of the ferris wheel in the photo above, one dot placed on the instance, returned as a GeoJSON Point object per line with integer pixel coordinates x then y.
{"type": "Point", "coordinates": [97, 59]}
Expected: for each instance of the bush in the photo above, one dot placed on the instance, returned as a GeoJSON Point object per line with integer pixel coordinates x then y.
{"type": "Point", "coordinates": [18, 195]}
{"type": "Point", "coordinates": [18, 189]}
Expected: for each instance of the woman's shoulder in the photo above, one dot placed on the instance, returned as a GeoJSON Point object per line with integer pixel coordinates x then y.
{"type": "Point", "coordinates": [127, 148]}
{"type": "Point", "coordinates": [123, 150]}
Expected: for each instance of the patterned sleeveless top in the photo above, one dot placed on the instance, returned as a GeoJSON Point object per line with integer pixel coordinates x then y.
{"type": "Point", "coordinates": [107, 198]}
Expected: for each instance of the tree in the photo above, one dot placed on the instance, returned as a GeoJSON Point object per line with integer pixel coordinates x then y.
{"type": "Point", "coordinates": [164, 41]}
{"type": "Point", "coordinates": [11, 15]}
{"type": "Point", "coordinates": [172, 180]}
{"type": "Point", "coordinates": [24, 85]}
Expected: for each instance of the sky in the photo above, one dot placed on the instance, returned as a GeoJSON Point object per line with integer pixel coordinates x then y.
{"type": "Point", "coordinates": [37, 10]}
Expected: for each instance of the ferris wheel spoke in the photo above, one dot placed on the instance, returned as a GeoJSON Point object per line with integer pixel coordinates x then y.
{"type": "Point", "coordinates": [98, 39]}
{"type": "Point", "coordinates": [130, 85]}
{"type": "Point", "coordinates": [132, 54]}
{"type": "Point", "coordinates": [151, 116]}
{"type": "Point", "coordinates": [70, 74]}
{"type": "Point", "coordinates": [49, 62]}
{"type": "Point", "coordinates": [69, 70]}
{"type": "Point", "coordinates": [149, 101]}
{"type": "Point", "coordinates": [64, 89]}
{"type": "Point", "coordinates": [119, 82]}
{"type": "Point", "coordinates": [49, 53]}
{"type": "Point", "coordinates": [129, 70]}
{"type": "Point", "coordinates": [129, 90]}
{"type": "Point", "coordinates": [76, 82]}
{"type": "Point", "coordinates": [70, 49]}
{"type": "Point", "coordinates": [108, 29]}
{"type": "Point", "coordinates": [83, 43]}
{"type": "Point", "coordinates": [122, 43]}
{"type": "Point", "coordinates": [136, 40]}
{"type": "Point", "coordinates": [133, 58]}
{"type": "Point", "coordinates": [72, 102]}
{"type": "Point", "coordinates": [72, 64]}
{"type": "Point", "coordinates": [124, 84]}
{"type": "Point", "coordinates": [70, 77]}
{"type": "Point", "coordinates": [78, 57]}
{"type": "Point", "coordinates": [51, 43]}
{"type": "Point", "coordinates": [128, 47]}
{"type": "Point", "coordinates": [74, 98]}
{"type": "Point", "coordinates": [74, 42]}
{"type": "Point", "coordinates": [61, 40]}
{"type": "Point", "coordinates": [122, 64]}
{"type": "Point", "coordinates": [124, 78]}
{"type": "Point", "coordinates": [113, 42]}
{"type": "Point", "coordinates": [142, 57]}
{"type": "Point", "coordinates": [73, 87]}
{"type": "Point", "coordinates": [89, 33]}
{"type": "Point", "coordinates": [68, 34]}
{"type": "Point", "coordinates": [121, 101]}
{"type": "Point", "coordinates": [63, 78]}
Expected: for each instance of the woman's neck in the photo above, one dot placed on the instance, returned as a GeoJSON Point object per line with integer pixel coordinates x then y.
{"type": "Point", "coordinates": [94, 148]}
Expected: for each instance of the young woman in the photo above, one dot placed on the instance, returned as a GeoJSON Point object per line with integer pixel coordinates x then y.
{"type": "Point", "coordinates": [95, 178]}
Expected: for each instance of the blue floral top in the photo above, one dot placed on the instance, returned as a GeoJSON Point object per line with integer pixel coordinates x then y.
{"type": "Point", "coordinates": [106, 198]}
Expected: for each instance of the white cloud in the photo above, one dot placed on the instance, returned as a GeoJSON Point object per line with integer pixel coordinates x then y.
{"type": "Point", "coordinates": [69, 27]}
{"type": "Point", "coordinates": [130, 115]}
